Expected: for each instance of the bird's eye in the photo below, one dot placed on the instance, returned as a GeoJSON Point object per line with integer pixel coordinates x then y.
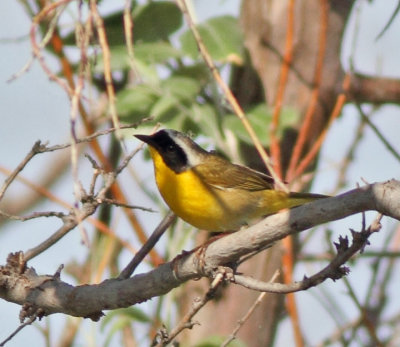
{"type": "Point", "coordinates": [170, 148]}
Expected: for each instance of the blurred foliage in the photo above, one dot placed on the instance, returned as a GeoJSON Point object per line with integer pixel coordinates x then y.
{"type": "Point", "coordinates": [166, 78]}
{"type": "Point", "coordinates": [172, 82]}
{"type": "Point", "coordinates": [116, 320]}
{"type": "Point", "coordinates": [216, 341]}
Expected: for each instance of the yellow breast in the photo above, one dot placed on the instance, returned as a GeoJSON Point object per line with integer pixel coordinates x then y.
{"type": "Point", "coordinates": [193, 201]}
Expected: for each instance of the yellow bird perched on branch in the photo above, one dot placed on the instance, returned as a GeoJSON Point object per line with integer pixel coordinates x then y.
{"type": "Point", "coordinates": [208, 191]}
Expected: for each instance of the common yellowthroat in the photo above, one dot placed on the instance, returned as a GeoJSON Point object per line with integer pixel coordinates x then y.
{"type": "Point", "coordinates": [208, 191]}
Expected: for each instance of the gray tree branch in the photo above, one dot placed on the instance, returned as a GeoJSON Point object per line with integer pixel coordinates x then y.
{"type": "Point", "coordinates": [22, 285]}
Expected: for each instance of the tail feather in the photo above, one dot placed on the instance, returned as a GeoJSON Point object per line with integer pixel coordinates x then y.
{"type": "Point", "coordinates": [297, 199]}
{"type": "Point", "coordinates": [275, 201]}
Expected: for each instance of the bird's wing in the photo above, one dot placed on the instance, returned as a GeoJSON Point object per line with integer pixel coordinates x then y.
{"type": "Point", "coordinates": [224, 175]}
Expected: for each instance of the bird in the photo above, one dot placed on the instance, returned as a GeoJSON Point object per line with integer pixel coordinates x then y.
{"type": "Point", "coordinates": [208, 191]}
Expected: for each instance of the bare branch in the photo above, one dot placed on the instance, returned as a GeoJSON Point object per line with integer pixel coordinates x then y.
{"type": "Point", "coordinates": [37, 148]}
{"type": "Point", "coordinates": [33, 317]}
{"type": "Point", "coordinates": [148, 246]}
{"type": "Point", "coordinates": [198, 304]}
{"type": "Point", "coordinates": [374, 90]}
{"type": "Point", "coordinates": [390, 21]}
{"type": "Point", "coordinates": [89, 206]}
{"type": "Point", "coordinates": [117, 203]}
{"type": "Point", "coordinates": [102, 37]}
{"type": "Point", "coordinates": [378, 133]}
{"type": "Point", "coordinates": [20, 285]}
{"type": "Point", "coordinates": [32, 215]}
{"type": "Point", "coordinates": [44, 148]}
{"type": "Point", "coordinates": [89, 202]}
{"type": "Point", "coordinates": [334, 270]}
{"type": "Point", "coordinates": [248, 313]}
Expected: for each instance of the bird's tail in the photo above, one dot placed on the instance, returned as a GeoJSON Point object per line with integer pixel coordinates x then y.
{"type": "Point", "coordinates": [275, 200]}
{"type": "Point", "coordinates": [297, 199]}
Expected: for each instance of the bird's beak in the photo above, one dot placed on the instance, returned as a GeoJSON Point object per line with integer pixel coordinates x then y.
{"type": "Point", "coordinates": [145, 138]}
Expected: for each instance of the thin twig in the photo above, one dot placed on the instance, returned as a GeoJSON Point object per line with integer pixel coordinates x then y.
{"type": "Point", "coordinates": [338, 334]}
{"type": "Point", "coordinates": [340, 101]}
{"type": "Point", "coordinates": [97, 134]}
{"type": "Point", "coordinates": [365, 320]}
{"type": "Point", "coordinates": [101, 33]}
{"type": "Point", "coordinates": [128, 158]}
{"type": "Point", "coordinates": [349, 156]}
{"type": "Point", "coordinates": [148, 246]}
{"type": "Point", "coordinates": [67, 70]}
{"type": "Point", "coordinates": [37, 147]}
{"type": "Point", "coordinates": [117, 203]}
{"type": "Point", "coordinates": [283, 78]}
{"type": "Point", "coordinates": [367, 254]}
{"type": "Point", "coordinates": [42, 44]}
{"type": "Point", "coordinates": [36, 49]}
{"type": "Point", "coordinates": [37, 314]}
{"type": "Point", "coordinates": [44, 192]}
{"type": "Point", "coordinates": [311, 109]}
{"type": "Point", "coordinates": [198, 303]}
{"type": "Point", "coordinates": [128, 26]}
{"type": "Point", "coordinates": [89, 206]}
{"type": "Point", "coordinates": [249, 312]}
{"type": "Point", "coordinates": [77, 186]}
{"type": "Point", "coordinates": [69, 224]}
{"type": "Point", "coordinates": [33, 215]}
{"type": "Point", "coordinates": [377, 132]}
{"type": "Point", "coordinates": [389, 22]}
{"type": "Point", "coordinates": [290, 303]}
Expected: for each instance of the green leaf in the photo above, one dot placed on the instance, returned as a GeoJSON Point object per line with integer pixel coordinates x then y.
{"type": "Point", "coordinates": [199, 72]}
{"type": "Point", "coordinates": [177, 96]}
{"type": "Point", "coordinates": [147, 73]}
{"type": "Point", "coordinates": [135, 103]}
{"type": "Point", "coordinates": [155, 52]}
{"type": "Point", "coordinates": [152, 22]}
{"type": "Point", "coordinates": [119, 60]}
{"type": "Point", "coordinates": [146, 55]}
{"type": "Point", "coordinates": [260, 118]}
{"type": "Point", "coordinates": [114, 26]}
{"type": "Point", "coordinates": [181, 88]}
{"type": "Point", "coordinates": [195, 118]}
{"type": "Point", "coordinates": [221, 36]}
{"type": "Point", "coordinates": [156, 21]}
{"type": "Point", "coordinates": [205, 118]}
{"type": "Point", "coordinates": [164, 107]}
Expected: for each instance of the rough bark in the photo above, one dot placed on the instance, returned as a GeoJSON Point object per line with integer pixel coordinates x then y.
{"type": "Point", "coordinates": [49, 294]}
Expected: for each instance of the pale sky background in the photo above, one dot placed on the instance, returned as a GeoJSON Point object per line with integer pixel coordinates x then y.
{"type": "Point", "coordinates": [33, 108]}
